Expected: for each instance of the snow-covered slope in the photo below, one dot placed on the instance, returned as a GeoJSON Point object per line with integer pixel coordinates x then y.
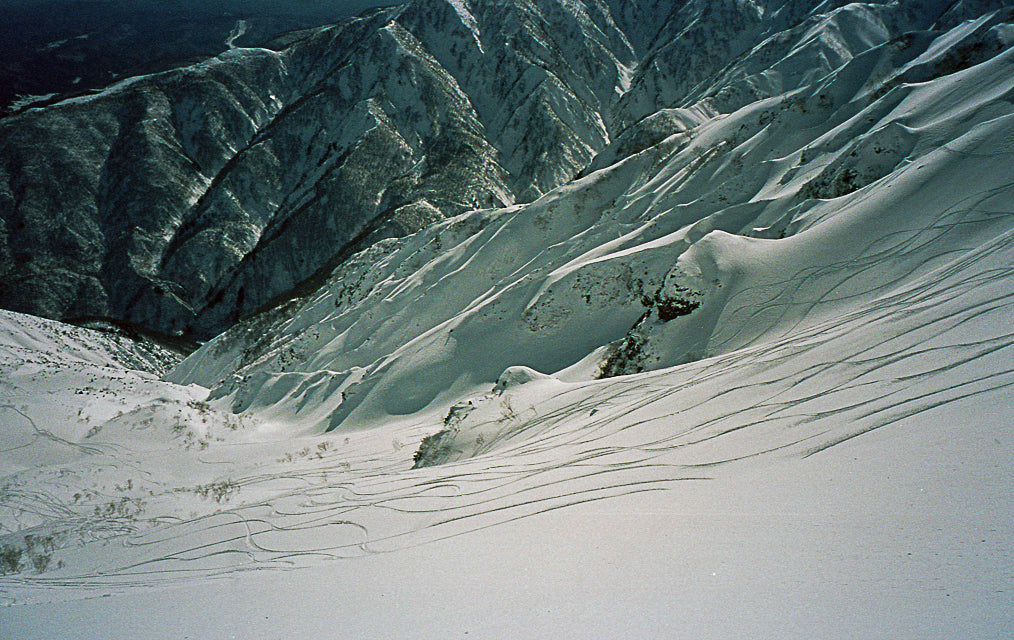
{"type": "Point", "coordinates": [749, 373]}
{"type": "Point", "coordinates": [59, 382]}
{"type": "Point", "coordinates": [753, 224]}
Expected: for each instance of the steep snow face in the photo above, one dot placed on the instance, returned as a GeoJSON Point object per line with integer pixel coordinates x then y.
{"type": "Point", "coordinates": [188, 199]}
{"type": "Point", "coordinates": [558, 64]}
{"type": "Point", "coordinates": [794, 296]}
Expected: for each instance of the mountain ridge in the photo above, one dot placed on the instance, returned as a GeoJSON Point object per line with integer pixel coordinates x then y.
{"type": "Point", "coordinates": [209, 151]}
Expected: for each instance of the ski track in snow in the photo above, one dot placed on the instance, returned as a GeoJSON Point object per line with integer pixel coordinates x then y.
{"type": "Point", "coordinates": [147, 486]}
{"type": "Point", "coordinates": [613, 438]}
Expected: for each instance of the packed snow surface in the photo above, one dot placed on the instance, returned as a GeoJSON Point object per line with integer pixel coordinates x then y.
{"type": "Point", "coordinates": [751, 374]}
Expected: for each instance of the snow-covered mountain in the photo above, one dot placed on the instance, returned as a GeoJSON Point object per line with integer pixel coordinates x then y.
{"type": "Point", "coordinates": [187, 199]}
{"type": "Point", "coordinates": [579, 319]}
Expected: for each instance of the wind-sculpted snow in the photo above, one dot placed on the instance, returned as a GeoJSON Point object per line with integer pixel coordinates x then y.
{"type": "Point", "coordinates": [546, 285]}
{"type": "Point", "coordinates": [816, 271]}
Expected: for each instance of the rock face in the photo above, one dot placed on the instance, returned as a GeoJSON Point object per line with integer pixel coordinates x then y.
{"type": "Point", "coordinates": [187, 199]}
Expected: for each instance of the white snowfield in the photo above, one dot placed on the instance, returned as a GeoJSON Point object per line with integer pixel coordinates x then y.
{"type": "Point", "coordinates": [752, 375]}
